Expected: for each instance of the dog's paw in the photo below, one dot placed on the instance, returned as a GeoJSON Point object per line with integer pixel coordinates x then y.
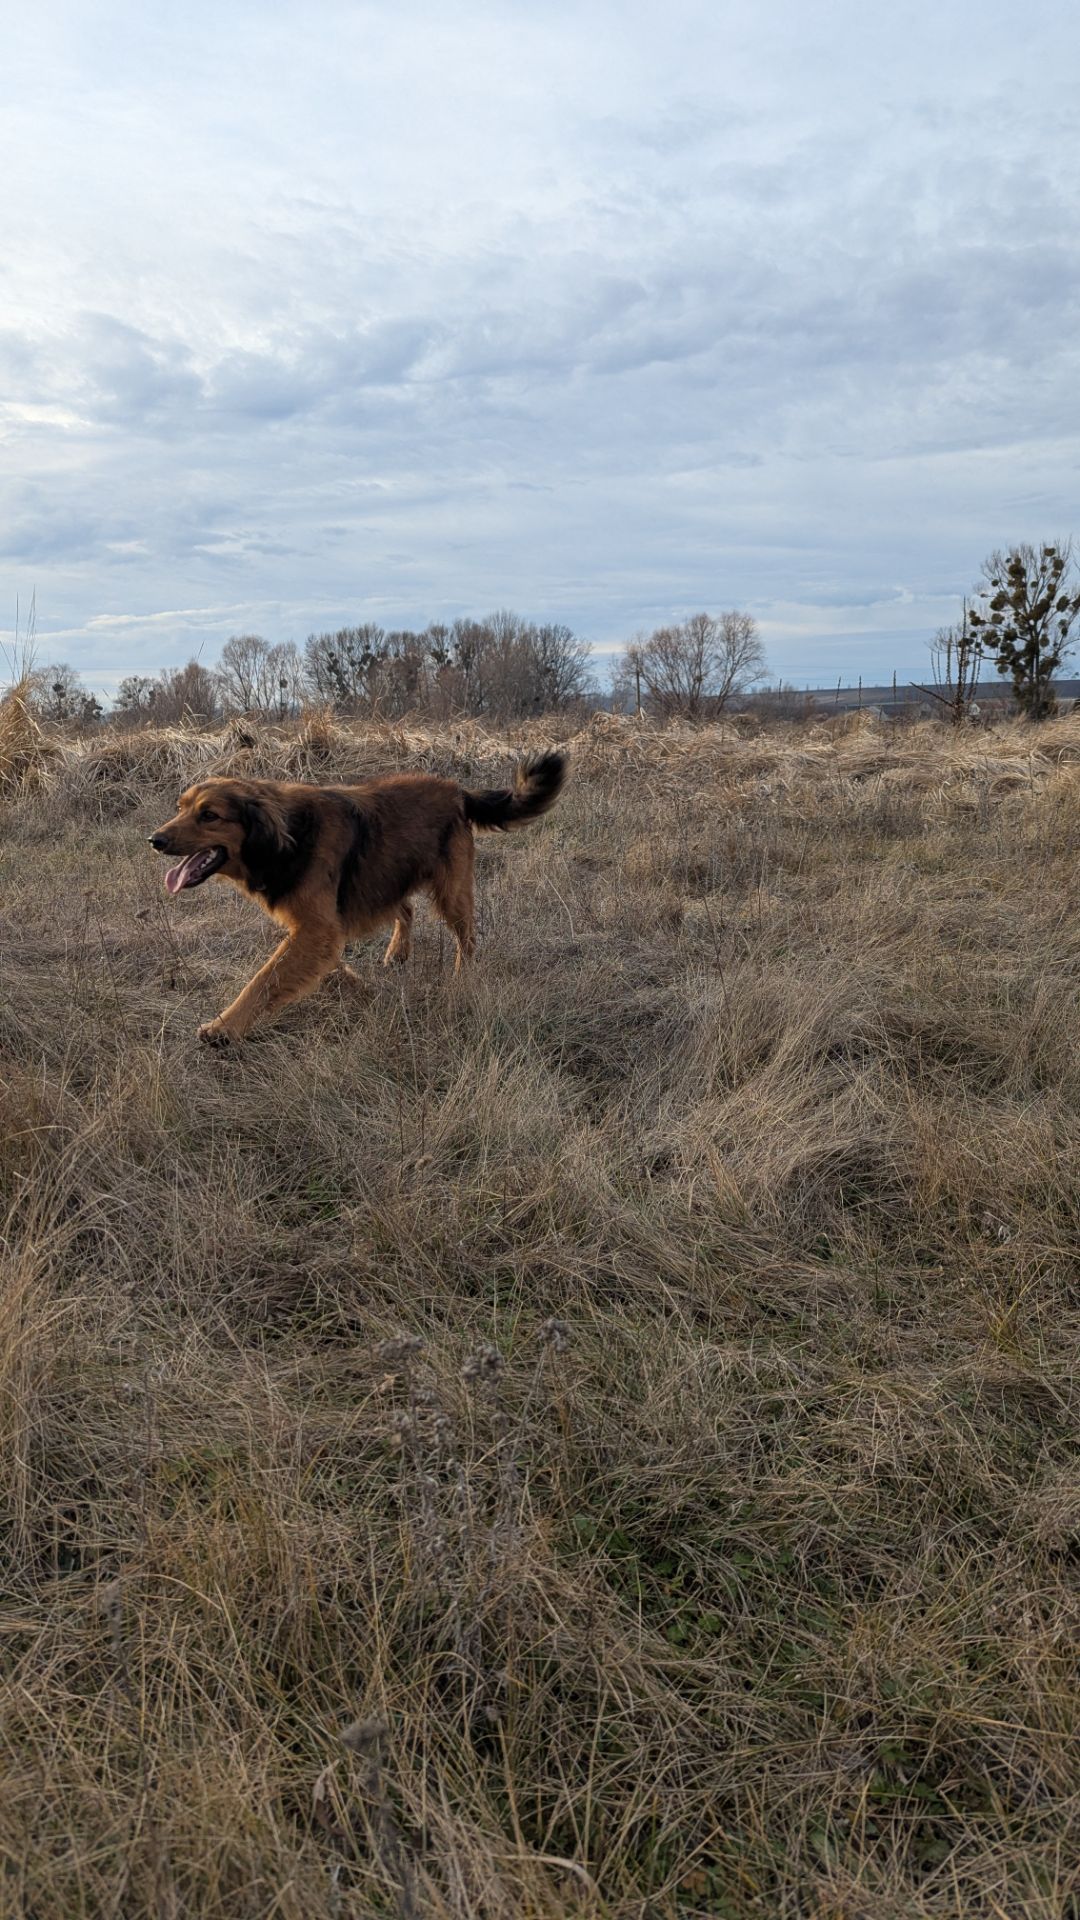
{"type": "Point", "coordinates": [346, 984]}
{"type": "Point", "coordinates": [213, 1034]}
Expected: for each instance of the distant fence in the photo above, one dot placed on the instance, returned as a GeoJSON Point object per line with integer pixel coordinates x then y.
{"type": "Point", "coordinates": [895, 696]}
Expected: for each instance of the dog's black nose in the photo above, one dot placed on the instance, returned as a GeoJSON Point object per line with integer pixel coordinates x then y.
{"type": "Point", "coordinates": [158, 842]}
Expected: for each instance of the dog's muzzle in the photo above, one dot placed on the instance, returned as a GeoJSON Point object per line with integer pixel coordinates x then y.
{"type": "Point", "coordinates": [194, 868]}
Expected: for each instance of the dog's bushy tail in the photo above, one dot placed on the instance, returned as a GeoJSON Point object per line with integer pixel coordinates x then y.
{"type": "Point", "coordinates": [537, 785]}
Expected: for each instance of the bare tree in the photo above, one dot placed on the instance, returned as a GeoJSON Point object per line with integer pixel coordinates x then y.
{"type": "Point", "coordinates": [956, 657]}
{"type": "Point", "coordinates": [285, 677]}
{"type": "Point", "coordinates": [561, 665]}
{"type": "Point", "coordinates": [503, 685]}
{"type": "Point", "coordinates": [58, 695]}
{"type": "Point", "coordinates": [242, 671]}
{"type": "Point", "coordinates": [695, 668]}
{"type": "Point", "coordinates": [256, 677]}
{"type": "Point", "coordinates": [186, 694]}
{"type": "Point", "coordinates": [512, 667]}
{"type": "Point", "coordinates": [470, 642]}
{"type": "Point", "coordinates": [338, 666]}
{"type": "Point", "coordinates": [134, 697]}
{"type": "Point", "coordinates": [628, 688]}
{"type": "Point", "coordinates": [401, 677]}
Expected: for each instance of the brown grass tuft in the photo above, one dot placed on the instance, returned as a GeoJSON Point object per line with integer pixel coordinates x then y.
{"type": "Point", "coordinates": [24, 749]}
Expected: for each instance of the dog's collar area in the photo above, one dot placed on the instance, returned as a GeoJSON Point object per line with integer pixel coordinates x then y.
{"type": "Point", "coordinates": [195, 869]}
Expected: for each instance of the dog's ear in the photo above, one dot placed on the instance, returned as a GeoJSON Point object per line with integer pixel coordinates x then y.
{"type": "Point", "coordinates": [266, 836]}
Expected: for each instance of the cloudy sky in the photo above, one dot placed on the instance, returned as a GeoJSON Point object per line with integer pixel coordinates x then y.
{"type": "Point", "coordinates": [601, 310]}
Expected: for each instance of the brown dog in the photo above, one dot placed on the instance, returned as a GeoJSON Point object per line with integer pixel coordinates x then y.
{"type": "Point", "coordinates": [330, 864]}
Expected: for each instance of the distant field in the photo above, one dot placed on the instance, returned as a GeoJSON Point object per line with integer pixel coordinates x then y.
{"type": "Point", "coordinates": [597, 1437]}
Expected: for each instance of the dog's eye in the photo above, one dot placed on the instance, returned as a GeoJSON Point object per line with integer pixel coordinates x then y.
{"type": "Point", "coordinates": [209, 814]}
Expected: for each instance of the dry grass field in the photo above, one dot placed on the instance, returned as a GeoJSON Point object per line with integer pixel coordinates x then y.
{"type": "Point", "coordinates": [593, 1438]}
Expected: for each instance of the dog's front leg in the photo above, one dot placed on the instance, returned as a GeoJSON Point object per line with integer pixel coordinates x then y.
{"type": "Point", "coordinates": [293, 970]}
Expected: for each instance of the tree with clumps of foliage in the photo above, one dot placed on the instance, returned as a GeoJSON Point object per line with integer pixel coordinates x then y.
{"type": "Point", "coordinates": [1030, 607]}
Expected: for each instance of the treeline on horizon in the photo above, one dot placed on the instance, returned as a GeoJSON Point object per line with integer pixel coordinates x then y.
{"type": "Point", "coordinates": [503, 667]}
{"type": "Point", "coordinates": [1021, 621]}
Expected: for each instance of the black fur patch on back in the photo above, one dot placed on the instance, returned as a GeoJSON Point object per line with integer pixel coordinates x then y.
{"type": "Point", "coordinates": [275, 870]}
{"type": "Point", "coordinates": [350, 866]}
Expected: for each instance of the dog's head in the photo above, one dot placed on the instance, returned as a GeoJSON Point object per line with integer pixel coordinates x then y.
{"type": "Point", "coordinates": [237, 828]}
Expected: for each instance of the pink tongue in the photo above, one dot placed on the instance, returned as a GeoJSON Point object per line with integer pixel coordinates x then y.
{"type": "Point", "coordinates": [181, 876]}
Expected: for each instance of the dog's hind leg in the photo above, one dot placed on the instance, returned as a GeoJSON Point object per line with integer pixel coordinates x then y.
{"type": "Point", "coordinates": [452, 893]}
{"type": "Point", "coordinates": [401, 939]}
{"type": "Point", "coordinates": [294, 969]}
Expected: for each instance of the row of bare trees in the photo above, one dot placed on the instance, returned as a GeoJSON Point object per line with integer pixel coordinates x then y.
{"type": "Point", "coordinates": [503, 666]}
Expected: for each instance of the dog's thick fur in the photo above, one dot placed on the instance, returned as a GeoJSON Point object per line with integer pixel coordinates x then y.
{"type": "Point", "coordinates": [331, 864]}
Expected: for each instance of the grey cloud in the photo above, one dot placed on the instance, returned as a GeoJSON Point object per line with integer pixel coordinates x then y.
{"type": "Point", "coordinates": [260, 386]}
{"type": "Point", "coordinates": [839, 596]}
{"type": "Point", "coordinates": [132, 376]}
{"type": "Point", "coordinates": [40, 522]}
{"type": "Point", "coordinates": [316, 368]}
{"type": "Point", "coordinates": [61, 532]}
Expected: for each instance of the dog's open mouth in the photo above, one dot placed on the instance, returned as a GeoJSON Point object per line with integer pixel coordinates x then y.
{"type": "Point", "coordinates": [196, 868]}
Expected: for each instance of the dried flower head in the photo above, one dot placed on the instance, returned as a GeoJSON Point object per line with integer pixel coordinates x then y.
{"type": "Point", "coordinates": [365, 1736]}
{"type": "Point", "coordinates": [556, 1335]}
{"type": "Point", "coordinates": [485, 1364]}
{"type": "Point", "coordinates": [393, 1352]}
{"type": "Point", "coordinates": [110, 1602]}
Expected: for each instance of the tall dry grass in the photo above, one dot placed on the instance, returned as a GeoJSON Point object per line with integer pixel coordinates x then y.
{"type": "Point", "coordinates": [597, 1437]}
